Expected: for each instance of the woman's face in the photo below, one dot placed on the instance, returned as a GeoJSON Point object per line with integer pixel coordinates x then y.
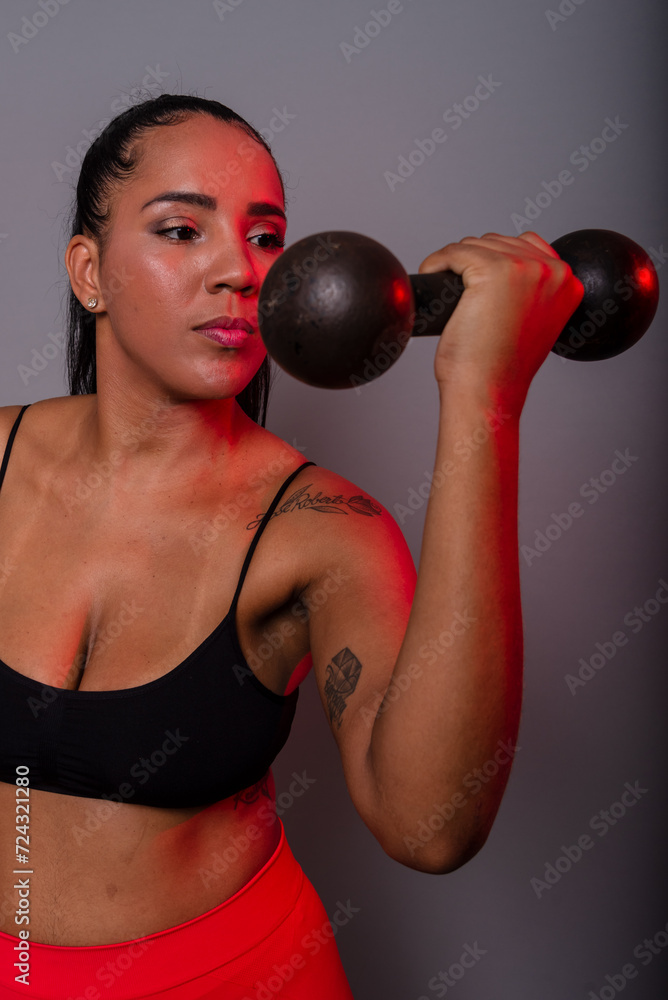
{"type": "Point", "coordinates": [172, 264]}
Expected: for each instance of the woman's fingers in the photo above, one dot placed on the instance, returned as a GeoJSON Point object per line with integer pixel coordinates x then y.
{"type": "Point", "coordinates": [527, 245]}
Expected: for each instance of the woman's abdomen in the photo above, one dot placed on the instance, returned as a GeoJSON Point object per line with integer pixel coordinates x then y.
{"type": "Point", "coordinates": [104, 872]}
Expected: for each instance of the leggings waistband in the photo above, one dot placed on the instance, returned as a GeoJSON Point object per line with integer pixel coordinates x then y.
{"type": "Point", "coordinates": [199, 945]}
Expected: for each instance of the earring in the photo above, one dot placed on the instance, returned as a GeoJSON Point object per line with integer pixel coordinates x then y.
{"type": "Point", "coordinates": [91, 303]}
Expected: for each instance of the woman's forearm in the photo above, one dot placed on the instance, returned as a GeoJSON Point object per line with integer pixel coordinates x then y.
{"type": "Point", "coordinates": [441, 750]}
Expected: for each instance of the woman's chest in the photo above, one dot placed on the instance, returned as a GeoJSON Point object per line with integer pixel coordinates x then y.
{"type": "Point", "coordinates": [118, 601]}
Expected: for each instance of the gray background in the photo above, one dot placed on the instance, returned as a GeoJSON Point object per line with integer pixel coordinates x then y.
{"type": "Point", "coordinates": [352, 120]}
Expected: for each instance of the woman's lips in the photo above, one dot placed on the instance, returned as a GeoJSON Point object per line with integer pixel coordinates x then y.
{"type": "Point", "coordinates": [224, 337]}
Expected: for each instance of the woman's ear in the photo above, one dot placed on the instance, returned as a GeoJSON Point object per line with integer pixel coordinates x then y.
{"type": "Point", "coordinates": [82, 263]}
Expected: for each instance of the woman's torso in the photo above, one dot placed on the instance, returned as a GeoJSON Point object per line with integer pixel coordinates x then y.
{"type": "Point", "coordinates": [68, 561]}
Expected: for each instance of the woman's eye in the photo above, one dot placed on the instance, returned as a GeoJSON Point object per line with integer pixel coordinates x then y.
{"type": "Point", "coordinates": [173, 229]}
{"type": "Point", "coordinates": [274, 240]}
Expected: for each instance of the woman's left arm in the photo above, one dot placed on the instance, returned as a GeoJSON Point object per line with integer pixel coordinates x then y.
{"type": "Point", "coordinates": [427, 734]}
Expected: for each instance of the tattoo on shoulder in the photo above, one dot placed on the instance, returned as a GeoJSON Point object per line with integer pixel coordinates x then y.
{"type": "Point", "coordinates": [342, 676]}
{"type": "Point", "coordinates": [301, 499]}
{"type": "Point", "coordinates": [251, 794]}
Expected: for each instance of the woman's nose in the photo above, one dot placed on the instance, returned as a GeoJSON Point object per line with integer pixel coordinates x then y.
{"type": "Point", "coordinates": [232, 267]}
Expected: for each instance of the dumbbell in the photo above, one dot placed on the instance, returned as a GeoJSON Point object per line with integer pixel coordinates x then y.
{"type": "Point", "coordinates": [337, 309]}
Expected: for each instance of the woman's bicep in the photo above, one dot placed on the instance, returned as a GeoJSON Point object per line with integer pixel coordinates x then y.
{"type": "Point", "coordinates": [359, 604]}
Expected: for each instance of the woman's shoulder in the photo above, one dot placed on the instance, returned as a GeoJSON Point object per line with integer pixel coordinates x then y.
{"type": "Point", "coordinates": [336, 510]}
{"type": "Point", "coordinates": [342, 532]}
{"type": "Point", "coordinates": [334, 491]}
{"type": "Point", "coordinates": [53, 413]}
{"type": "Point", "coordinates": [8, 415]}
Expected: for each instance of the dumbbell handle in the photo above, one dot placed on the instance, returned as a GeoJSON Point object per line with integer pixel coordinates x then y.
{"type": "Point", "coordinates": [616, 273]}
{"type": "Point", "coordinates": [436, 296]}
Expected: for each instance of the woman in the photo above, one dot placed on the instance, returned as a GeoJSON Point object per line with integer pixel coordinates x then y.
{"type": "Point", "coordinates": [137, 730]}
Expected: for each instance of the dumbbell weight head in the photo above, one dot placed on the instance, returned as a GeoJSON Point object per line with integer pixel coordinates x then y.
{"type": "Point", "coordinates": [620, 298]}
{"type": "Point", "coordinates": [332, 306]}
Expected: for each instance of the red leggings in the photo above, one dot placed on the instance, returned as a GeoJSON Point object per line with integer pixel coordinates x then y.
{"type": "Point", "coordinates": [271, 940]}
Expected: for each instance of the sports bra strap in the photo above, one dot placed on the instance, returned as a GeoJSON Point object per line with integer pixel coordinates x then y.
{"type": "Point", "coordinates": [10, 442]}
{"type": "Point", "coordinates": [256, 537]}
{"type": "Point", "coordinates": [263, 523]}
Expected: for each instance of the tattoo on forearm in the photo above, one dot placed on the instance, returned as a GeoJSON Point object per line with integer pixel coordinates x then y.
{"type": "Point", "coordinates": [342, 676]}
{"type": "Point", "coordinates": [301, 499]}
{"type": "Point", "coordinates": [251, 794]}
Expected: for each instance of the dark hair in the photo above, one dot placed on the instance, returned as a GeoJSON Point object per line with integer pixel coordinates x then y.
{"type": "Point", "coordinates": [112, 157]}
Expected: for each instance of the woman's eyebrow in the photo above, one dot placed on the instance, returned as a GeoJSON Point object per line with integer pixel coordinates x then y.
{"type": "Point", "coordinates": [254, 208]}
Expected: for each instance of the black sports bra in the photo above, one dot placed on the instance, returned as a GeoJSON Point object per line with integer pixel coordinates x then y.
{"type": "Point", "coordinates": [200, 733]}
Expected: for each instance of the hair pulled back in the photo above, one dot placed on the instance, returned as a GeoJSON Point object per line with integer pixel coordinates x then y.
{"type": "Point", "coordinates": [111, 158]}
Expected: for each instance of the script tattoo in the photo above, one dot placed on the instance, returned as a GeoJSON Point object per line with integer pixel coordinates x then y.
{"type": "Point", "coordinates": [301, 499]}
{"type": "Point", "coordinates": [343, 674]}
{"type": "Point", "coordinates": [253, 792]}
